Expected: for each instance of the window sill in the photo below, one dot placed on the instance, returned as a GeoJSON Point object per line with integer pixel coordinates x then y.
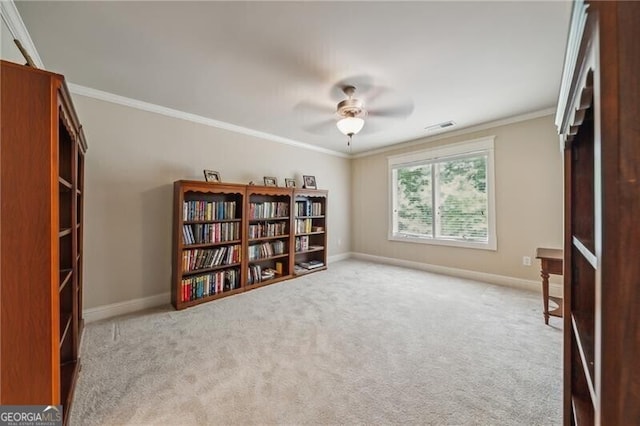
{"type": "Point", "coordinates": [491, 245]}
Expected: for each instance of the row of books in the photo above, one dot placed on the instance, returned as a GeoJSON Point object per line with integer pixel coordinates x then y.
{"type": "Point", "coordinates": [203, 233]}
{"type": "Point", "coordinates": [193, 288]}
{"type": "Point", "coordinates": [208, 210]}
{"type": "Point", "coordinates": [267, 229]}
{"type": "Point", "coordinates": [259, 274]}
{"type": "Point", "coordinates": [308, 208]}
{"type": "Point", "coordinates": [268, 210]}
{"type": "Point", "coordinates": [302, 243]}
{"type": "Point", "coordinates": [303, 226]}
{"type": "Point", "coordinates": [266, 249]}
{"type": "Point", "coordinates": [193, 260]}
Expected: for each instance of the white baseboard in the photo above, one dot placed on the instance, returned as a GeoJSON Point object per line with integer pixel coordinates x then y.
{"type": "Point", "coordinates": [339, 257]}
{"type": "Point", "coordinates": [121, 308]}
{"type": "Point", "coordinates": [554, 289]}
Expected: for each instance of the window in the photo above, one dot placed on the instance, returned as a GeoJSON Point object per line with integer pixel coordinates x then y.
{"type": "Point", "coordinates": [444, 196]}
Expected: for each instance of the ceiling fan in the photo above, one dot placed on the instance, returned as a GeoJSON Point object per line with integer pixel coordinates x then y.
{"type": "Point", "coordinates": [352, 112]}
{"type": "Point", "coordinates": [370, 111]}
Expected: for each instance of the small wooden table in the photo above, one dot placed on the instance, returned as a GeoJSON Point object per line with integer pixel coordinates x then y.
{"type": "Point", "coordinates": [551, 260]}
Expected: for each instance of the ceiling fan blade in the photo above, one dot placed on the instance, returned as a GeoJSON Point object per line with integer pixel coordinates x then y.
{"type": "Point", "coordinates": [308, 108]}
{"type": "Point", "coordinates": [397, 111]}
{"type": "Point", "coordinates": [322, 128]}
{"type": "Point", "coordinates": [376, 93]}
{"type": "Point", "coordinates": [363, 84]}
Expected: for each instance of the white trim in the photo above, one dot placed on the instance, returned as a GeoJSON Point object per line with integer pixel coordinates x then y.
{"type": "Point", "coordinates": [170, 112]}
{"type": "Point", "coordinates": [480, 144]}
{"type": "Point", "coordinates": [574, 41]}
{"type": "Point", "coordinates": [554, 289]}
{"type": "Point", "coordinates": [18, 30]}
{"type": "Point", "coordinates": [485, 144]}
{"type": "Point", "coordinates": [338, 257]}
{"type": "Point", "coordinates": [127, 307]}
{"type": "Point", "coordinates": [464, 131]}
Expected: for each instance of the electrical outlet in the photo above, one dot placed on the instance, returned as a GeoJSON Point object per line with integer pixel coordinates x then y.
{"type": "Point", "coordinates": [526, 261]}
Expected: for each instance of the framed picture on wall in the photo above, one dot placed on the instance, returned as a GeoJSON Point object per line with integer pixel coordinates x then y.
{"type": "Point", "coordinates": [290, 183]}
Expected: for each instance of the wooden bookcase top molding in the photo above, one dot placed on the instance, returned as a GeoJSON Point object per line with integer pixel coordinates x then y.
{"type": "Point", "coordinates": [262, 229]}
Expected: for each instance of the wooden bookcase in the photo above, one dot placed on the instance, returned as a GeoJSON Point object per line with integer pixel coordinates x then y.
{"type": "Point", "coordinates": [269, 235]}
{"type": "Point", "coordinates": [42, 192]}
{"type": "Point", "coordinates": [310, 230]}
{"type": "Point", "coordinates": [208, 241]}
{"type": "Point", "coordinates": [263, 228]}
{"type": "Point", "coordinates": [599, 128]}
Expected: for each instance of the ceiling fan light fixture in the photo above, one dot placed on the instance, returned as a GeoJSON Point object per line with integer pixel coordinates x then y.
{"type": "Point", "coordinates": [350, 125]}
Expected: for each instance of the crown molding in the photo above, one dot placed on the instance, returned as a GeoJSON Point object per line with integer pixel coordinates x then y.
{"type": "Point", "coordinates": [18, 30]}
{"type": "Point", "coordinates": [170, 112]}
{"type": "Point", "coordinates": [484, 126]}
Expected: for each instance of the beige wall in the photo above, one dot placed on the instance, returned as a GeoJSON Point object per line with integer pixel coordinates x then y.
{"type": "Point", "coordinates": [133, 159]}
{"type": "Point", "coordinates": [529, 194]}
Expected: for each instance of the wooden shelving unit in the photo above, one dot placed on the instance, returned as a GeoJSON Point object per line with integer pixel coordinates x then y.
{"type": "Point", "coordinates": [42, 170]}
{"type": "Point", "coordinates": [208, 242]}
{"type": "Point", "coordinates": [310, 230]}
{"type": "Point", "coordinates": [265, 218]}
{"type": "Point", "coordinates": [598, 123]}
{"type": "Point", "coordinates": [269, 235]}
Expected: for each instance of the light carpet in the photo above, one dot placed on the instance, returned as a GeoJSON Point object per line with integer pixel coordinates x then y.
{"type": "Point", "coordinates": [360, 343]}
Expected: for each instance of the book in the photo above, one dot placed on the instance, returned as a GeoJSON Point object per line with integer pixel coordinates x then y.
{"type": "Point", "coordinates": [312, 264]}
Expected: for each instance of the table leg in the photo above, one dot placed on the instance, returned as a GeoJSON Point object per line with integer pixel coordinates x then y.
{"type": "Point", "coordinates": [545, 294]}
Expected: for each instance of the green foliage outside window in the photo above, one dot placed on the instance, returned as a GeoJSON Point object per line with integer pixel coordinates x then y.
{"type": "Point", "coordinates": [459, 188]}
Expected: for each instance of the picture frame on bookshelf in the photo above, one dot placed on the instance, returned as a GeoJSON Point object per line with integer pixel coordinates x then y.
{"type": "Point", "coordinates": [290, 182]}
{"type": "Point", "coordinates": [270, 181]}
{"type": "Point", "coordinates": [309, 182]}
{"type": "Point", "coordinates": [211, 176]}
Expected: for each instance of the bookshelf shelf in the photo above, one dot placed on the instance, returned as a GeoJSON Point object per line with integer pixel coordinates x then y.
{"type": "Point", "coordinates": [584, 342]}
{"type": "Point", "coordinates": [64, 184]}
{"type": "Point", "coordinates": [268, 219]}
{"type": "Point", "coordinates": [597, 123]}
{"type": "Point", "coordinates": [274, 280]}
{"type": "Point", "coordinates": [65, 277]}
{"type": "Point", "coordinates": [203, 222]}
{"type": "Point", "coordinates": [205, 299]}
{"type": "Point", "coordinates": [219, 243]}
{"type": "Point", "coordinates": [274, 237]}
{"type": "Point", "coordinates": [213, 269]}
{"type": "Point", "coordinates": [42, 322]}
{"type": "Point", "coordinates": [65, 324]}
{"type": "Point", "coordinates": [310, 250]}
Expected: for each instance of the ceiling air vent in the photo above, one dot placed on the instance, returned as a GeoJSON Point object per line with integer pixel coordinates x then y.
{"type": "Point", "coordinates": [440, 126]}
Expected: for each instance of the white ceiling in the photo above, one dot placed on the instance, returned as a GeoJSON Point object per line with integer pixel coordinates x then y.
{"type": "Point", "coordinates": [275, 67]}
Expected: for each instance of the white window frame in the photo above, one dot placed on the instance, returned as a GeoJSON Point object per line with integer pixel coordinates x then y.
{"type": "Point", "coordinates": [485, 144]}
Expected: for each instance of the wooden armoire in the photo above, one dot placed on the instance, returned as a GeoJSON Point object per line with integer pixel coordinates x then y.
{"type": "Point", "coordinates": [599, 123]}
{"type": "Point", "coordinates": [41, 231]}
